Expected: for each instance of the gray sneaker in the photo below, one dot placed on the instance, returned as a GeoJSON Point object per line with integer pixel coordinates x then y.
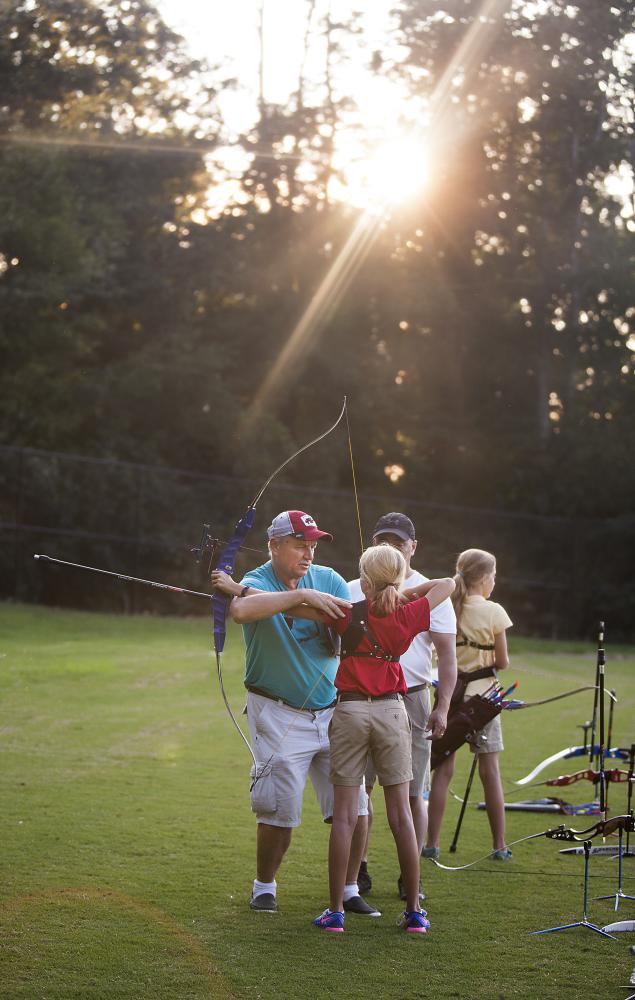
{"type": "Point", "coordinates": [264, 903]}
{"type": "Point", "coordinates": [358, 905]}
{"type": "Point", "coordinates": [430, 852]}
{"type": "Point", "coordinates": [502, 854]}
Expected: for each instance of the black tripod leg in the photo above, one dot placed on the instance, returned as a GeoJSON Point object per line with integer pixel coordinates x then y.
{"type": "Point", "coordinates": [629, 802]}
{"type": "Point", "coordinates": [602, 745]}
{"type": "Point", "coordinates": [594, 717]}
{"type": "Point", "coordinates": [466, 796]}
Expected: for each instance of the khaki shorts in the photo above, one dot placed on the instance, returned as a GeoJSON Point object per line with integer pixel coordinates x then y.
{"type": "Point", "coordinates": [418, 707]}
{"type": "Point", "coordinates": [380, 728]}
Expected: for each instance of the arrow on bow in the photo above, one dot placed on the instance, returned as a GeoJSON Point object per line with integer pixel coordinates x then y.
{"type": "Point", "coordinates": [226, 560]}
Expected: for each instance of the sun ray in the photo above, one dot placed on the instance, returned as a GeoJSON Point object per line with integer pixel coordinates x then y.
{"type": "Point", "coordinates": [323, 304]}
{"type": "Point", "coordinates": [467, 56]}
{"type": "Point", "coordinates": [145, 146]}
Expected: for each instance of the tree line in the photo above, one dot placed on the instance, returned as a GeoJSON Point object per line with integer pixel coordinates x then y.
{"type": "Point", "coordinates": [484, 338]}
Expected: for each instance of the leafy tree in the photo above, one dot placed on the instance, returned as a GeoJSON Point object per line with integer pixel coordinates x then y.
{"type": "Point", "coordinates": [101, 166]}
{"type": "Point", "coordinates": [482, 332]}
{"type": "Point", "coordinates": [516, 263]}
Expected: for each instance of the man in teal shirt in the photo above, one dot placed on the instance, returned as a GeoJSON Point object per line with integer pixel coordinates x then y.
{"type": "Point", "coordinates": [290, 669]}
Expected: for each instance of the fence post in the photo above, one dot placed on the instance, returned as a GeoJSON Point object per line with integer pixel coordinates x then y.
{"type": "Point", "coordinates": [17, 548]}
{"type": "Point", "coordinates": [135, 544]}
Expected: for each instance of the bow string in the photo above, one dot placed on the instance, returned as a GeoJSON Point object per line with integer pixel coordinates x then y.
{"type": "Point", "coordinates": [603, 828]}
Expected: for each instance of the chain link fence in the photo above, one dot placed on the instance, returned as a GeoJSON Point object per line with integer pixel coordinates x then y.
{"type": "Point", "coordinates": [556, 575]}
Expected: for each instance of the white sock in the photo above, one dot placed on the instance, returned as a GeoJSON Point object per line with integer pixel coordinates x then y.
{"type": "Point", "coordinates": [261, 887]}
{"type": "Point", "coordinates": [350, 889]}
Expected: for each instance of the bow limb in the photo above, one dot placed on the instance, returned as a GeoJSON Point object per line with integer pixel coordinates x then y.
{"type": "Point", "coordinates": [220, 604]}
{"type": "Point", "coordinates": [613, 775]}
{"type": "Point", "coordinates": [226, 562]}
{"type": "Point", "coordinates": [304, 447]}
{"type": "Point", "coordinates": [561, 755]}
{"type": "Point", "coordinates": [619, 753]}
{"type": "Point", "coordinates": [570, 779]}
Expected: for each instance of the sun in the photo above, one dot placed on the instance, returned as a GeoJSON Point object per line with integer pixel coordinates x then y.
{"type": "Point", "coordinates": [394, 172]}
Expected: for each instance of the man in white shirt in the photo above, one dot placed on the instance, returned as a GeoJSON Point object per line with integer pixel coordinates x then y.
{"type": "Point", "coordinates": [398, 530]}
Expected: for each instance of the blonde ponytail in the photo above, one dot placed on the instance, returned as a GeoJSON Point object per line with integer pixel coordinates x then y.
{"type": "Point", "coordinates": [383, 570]}
{"type": "Point", "coordinates": [471, 566]}
{"type": "Point", "coordinates": [459, 595]}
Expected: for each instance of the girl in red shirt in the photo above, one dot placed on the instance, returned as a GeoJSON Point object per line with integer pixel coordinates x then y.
{"type": "Point", "coordinates": [370, 718]}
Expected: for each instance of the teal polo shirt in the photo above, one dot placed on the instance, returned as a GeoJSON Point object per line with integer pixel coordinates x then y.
{"type": "Point", "coordinates": [287, 662]}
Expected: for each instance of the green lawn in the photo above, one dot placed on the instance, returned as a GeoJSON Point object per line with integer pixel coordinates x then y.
{"type": "Point", "coordinates": [128, 842]}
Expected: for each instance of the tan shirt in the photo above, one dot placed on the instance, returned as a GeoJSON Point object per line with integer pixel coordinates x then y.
{"type": "Point", "coordinates": [481, 621]}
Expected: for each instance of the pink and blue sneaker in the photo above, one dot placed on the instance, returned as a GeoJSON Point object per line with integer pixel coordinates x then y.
{"type": "Point", "coordinates": [330, 920]}
{"type": "Point", "coordinates": [414, 921]}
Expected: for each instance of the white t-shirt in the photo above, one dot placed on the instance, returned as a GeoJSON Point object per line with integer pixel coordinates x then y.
{"type": "Point", "coordinates": [416, 663]}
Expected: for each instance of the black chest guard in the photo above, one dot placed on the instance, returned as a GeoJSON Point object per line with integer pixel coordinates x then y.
{"type": "Point", "coordinates": [359, 629]}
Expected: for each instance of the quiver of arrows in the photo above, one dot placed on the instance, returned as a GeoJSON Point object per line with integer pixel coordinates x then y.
{"type": "Point", "coordinates": [464, 720]}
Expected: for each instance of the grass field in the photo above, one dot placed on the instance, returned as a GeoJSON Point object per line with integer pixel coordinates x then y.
{"type": "Point", "coordinates": [128, 842]}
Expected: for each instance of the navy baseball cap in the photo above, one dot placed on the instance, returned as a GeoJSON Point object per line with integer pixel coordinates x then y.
{"type": "Point", "coordinates": [395, 524]}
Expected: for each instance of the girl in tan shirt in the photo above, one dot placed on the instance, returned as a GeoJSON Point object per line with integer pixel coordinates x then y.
{"type": "Point", "coordinates": [481, 643]}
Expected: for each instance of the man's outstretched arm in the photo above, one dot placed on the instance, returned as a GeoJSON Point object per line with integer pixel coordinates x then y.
{"type": "Point", "coordinates": [257, 605]}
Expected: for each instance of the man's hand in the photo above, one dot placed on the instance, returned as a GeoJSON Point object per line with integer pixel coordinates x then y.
{"type": "Point", "coordinates": [328, 604]}
{"type": "Point", "coordinates": [437, 723]}
{"type": "Point", "coordinates": [224, 582]}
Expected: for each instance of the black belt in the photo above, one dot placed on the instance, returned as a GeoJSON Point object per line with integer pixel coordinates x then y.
{"type": "Point", "coordinates": [476, 675]}
{"type": "Point", "coordinates": [417, 687]}
{"type": "Point", "coordinates": [276, 697]}
{"type": "Point", "coordinates": [358, 696]}
{"type": "Point", "coordinates": [464, 641]}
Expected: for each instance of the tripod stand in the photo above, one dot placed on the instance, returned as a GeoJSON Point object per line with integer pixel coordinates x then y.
{"type": "Point", "coordinates": [619, 894]}
{"type": "Point", "coordinates": [585, 922]}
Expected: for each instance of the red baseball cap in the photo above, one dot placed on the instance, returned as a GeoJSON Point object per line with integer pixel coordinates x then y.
{"type": "Point", "coordinates": [298, 524]}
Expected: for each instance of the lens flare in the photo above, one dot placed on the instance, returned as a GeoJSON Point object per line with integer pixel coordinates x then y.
{"type": "Point", "coordinates": [395, 172]}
